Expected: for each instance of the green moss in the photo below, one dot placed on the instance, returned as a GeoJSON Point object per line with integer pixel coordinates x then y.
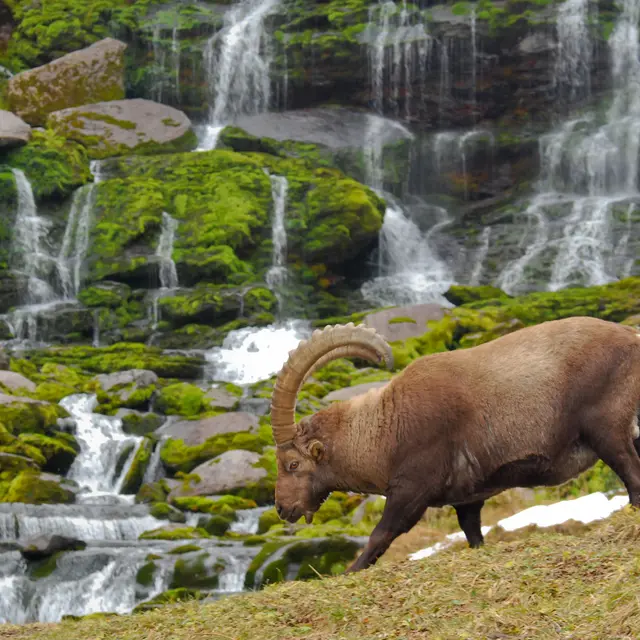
{"type": "Point", "coordinates": [153, 492]}
{"type": "Point", "coordinates": [195, 572]}
{"type": "Point", "coordinates": [178, 456]}
{"type": "Point", "coordinates": [222, 505]}
{"type": "Point", "coordinates": [462, 294]}
{"type": "Point", "coordinates": [19, 417]}
{"type": "Point", "coordinates": [141, 424]}
{"type": "Point", "coordinates": [402, 319]}
{"type": "Point", "coordinates": [29, 487]}
{"type": "Point", "coordinates": [217, 525]}
{"type": "Point", "coordinates": [185, 548]}
{"type": "Point", "coordinates": [59, 452]}
{"type": "Point", "coordinates": [164, 511]}
{"type": "Point", "coordinates": [179, 533]}
{"type": "Point", "coordinates": [169, 597]}
{"type": "Point", "coordinates": [268, 519]}
{"type": "Point", "coordinates": [146, 574]}
{"type": "Point", "coordinates": [182, 399]}
{"type": "Point", "coordinates": [53, 391]}
{"type": "Point", "coordinates": [121, 357]}
{"type": "Point", "coordinates": [267, 550]}
{"type": "Point", "coordinates": [110, 295]}
{"type": "Point", "coordinates": [54, 165]}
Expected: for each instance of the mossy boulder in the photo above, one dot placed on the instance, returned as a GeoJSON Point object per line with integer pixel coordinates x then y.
{"type": "Point", "coordinates": [222, 201]}
{"type": "Point", "coordinates": [121, 356]}
{"type": "Point", "coordinates": [137, 423]}
{"type": "Point", "coordinates": [59, 451]}
{"type": "Point", "coordinates": [222, 505]}
{"type": "Point", "coordinates": [39, 488]}
{"type": "Point", "coordinates": [82, 77]}
{"type": "Point", "coordinates": [181, 399]}
{"type": "Point", "coordinates": [461, 294]}
{"type": "Point", "coordinates": [120, 127]}
{"type": "Point", "coordinates": [175, 532]}
{"type": "Point", "coordinates": [164, 511]}
{"type": "Point", "coordinates": [197, 570]}
{"type": "Point", "coordinates": [13, 130]}
{"type": "Point", "coordinates": [21, 415]}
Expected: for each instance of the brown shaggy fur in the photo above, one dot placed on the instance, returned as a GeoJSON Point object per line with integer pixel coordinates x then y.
{"type": "Point", "coordinates": [535, 407]}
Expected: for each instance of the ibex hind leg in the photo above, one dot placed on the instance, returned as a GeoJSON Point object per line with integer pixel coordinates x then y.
{"type": "Point", "coordinates": [470, 522]}
{"type": "Point", "coordinates": [618, 448]}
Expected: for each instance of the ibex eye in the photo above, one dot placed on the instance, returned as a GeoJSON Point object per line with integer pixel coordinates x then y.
{"type": "Point", "coordinates": [293, 466]}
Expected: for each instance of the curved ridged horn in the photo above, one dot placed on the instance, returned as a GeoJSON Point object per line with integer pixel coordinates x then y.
{"type": "Point", "coordinates": [324, 345]}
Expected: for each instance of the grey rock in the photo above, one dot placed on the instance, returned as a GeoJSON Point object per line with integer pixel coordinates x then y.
{"type": "Point", "coordinates": [14, 131]}
{"type": "Point", "coordinates": [195, 432]}
{"type": "Point", "coordinates": [143, 122]}
{"type": "Point", "coordinates": [381, 321]}
{"type": "Point", "coordinates": [85, 76]}
{"type": "Point", "coordinates": [222, 398]}
{"type": "Point", "coordinates": [13, 462]}
{"type": "Point", "coordinates": [5, 398]}
{"type": "Point", "coordinates": [231, 470]}
{"type": "Point", "coordinates": [5, 360]}
{"type": "Point", "coordinates": [141, 377]}
{"type": "Point", "coordinates": [15, 381]}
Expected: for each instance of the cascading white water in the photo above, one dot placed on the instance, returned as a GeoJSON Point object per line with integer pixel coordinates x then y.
{"type": "Point", "coordinates": [410, 271]}
{"type": "Point", "coordinates": [480, 257]}
{"type": "Point", "coordinates": [572, 75]}
{"type": "Point", "coordinates": [154, 471]}
{"type": "Point", "coordinates": [474, 57]}
{"type": "Point", "coordinates": [277, 275]}
{"type": "Point", "coordinates": [237, 62]}
{"type": "Point", "coordinates": [30, 254]}
{"type": "Point", "coordinates": [102, 442]}
{"type": "Point", "coordinates": [167, 272]}
{"type": "Point", "coordinates": [75, 242]}
{"type": "Point", "coordinates": [247, 520]}
{"type": "Point", "coordinates": [589, 171]}
{"type": "Point", "coordinates": [399, 49]}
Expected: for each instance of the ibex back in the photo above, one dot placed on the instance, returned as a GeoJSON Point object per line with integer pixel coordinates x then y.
{"type": "Point", "coordinates": [535, 407]}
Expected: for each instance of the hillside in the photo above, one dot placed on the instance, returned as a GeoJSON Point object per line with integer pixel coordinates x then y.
{"type": "Point", "coordinates": [572, 581]}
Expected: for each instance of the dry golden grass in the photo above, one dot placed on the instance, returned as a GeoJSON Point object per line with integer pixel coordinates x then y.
{"type": "Point", "coordinates": [573, 582]}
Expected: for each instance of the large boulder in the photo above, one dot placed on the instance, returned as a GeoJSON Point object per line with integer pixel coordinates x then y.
{"type": "Point", "coordinates": [138, 377]}
{"type": "Point", "coordinates": [402, 323]}
{"type": "Point", "coordinates": [195, 432]}
{"type": "Point", "coordinates": [14, 381]}
{"type": "Point", "coordinates": [13, 130]}
{"type": "Point", "coordinates": [86, 76]}
{"type": "Point", "coordinates": [228, 472]}
{"type": "Point", "coordinates": [121, 127]}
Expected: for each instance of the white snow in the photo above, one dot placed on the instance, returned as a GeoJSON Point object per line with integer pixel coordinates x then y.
{"type": "Point", "coordinates": [595, 506]}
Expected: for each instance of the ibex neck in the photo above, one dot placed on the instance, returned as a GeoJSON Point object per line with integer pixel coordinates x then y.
{"type": "Point", "coordinates": [363, 443]}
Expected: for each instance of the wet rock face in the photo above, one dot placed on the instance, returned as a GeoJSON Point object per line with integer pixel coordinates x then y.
{"type": "Point", "coordinates": [195, 432]}
{"type": "Point", "coordinates": [45, 546]}
{"type": "Point", "coordinates": [83, 77]}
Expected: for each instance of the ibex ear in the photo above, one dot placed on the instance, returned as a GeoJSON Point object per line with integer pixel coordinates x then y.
{"type": "Point", "coordinates": [316, 450]}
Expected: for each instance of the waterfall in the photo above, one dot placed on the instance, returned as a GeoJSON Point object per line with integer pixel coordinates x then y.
{"type": "Point", "coordinates": [167, 272]}
{"type": "Point", "coordinates": [474, 56]}
{"type": "Point", "coordinates": [237, 63]}
{"type": "Point", "coordinates": [75, 242]}
{"type": "Point", "coordinates": [399, 48]}
{"type": "Point", "coordinates": [277, 275]}
{"type": "Point", "coordinates": [589, 170]}
{"type": "Point", "coordinates": [572, 72]}
{"type": "Point", "coordinates": [30, 247]}
{"type": "Point", "coordinates": [247, 520]}
{"type": "Point", "coordinates": [480, 257]}
{"type": "Point", "coordinates": [410, 272]}
{"type": "Point", "coordinates": [102, 443]}
{"type": "Point", "coordinates": [154, 470]}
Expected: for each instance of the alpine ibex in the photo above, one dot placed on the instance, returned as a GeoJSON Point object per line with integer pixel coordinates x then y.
{"type": "Point", "coordinates": [534, 407]}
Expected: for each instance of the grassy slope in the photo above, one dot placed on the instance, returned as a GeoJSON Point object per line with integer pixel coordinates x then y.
{"type": "Point", "coordinates": [571, 582]}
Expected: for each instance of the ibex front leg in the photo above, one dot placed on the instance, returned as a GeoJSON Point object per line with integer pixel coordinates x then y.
{"type": "Point", "coordinates": [401, 512]}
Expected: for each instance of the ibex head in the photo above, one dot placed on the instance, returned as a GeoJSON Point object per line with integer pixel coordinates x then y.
{"type": "Point", "coordinates": [305, 475]}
